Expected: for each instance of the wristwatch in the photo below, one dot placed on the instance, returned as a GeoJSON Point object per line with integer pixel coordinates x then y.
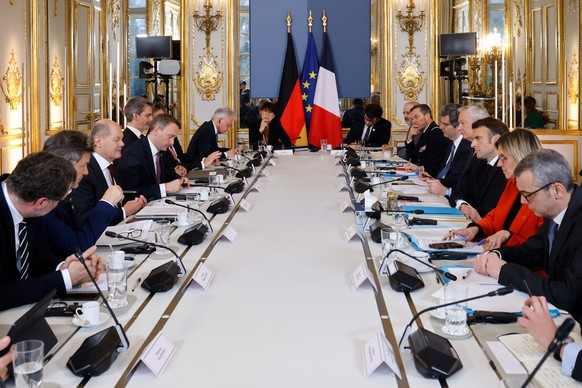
{"type": "Point", "coordinates": [567, 341]}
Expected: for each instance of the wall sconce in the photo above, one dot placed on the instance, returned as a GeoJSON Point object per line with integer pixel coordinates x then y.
{"type": "Point", "coordinates": [410, 23]}
{"type": "Point", "coordinates": [207, 22]}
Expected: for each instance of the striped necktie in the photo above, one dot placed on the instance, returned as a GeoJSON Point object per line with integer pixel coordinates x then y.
{"type": "Point", "coordinates": [158, 168]}
{"type": "Point", "coordinates": [22, 254]}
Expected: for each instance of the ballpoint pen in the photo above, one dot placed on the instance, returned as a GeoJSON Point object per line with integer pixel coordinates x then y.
{"type": "Point", "coordinates": [527, 287]}
{"type": "Point", "coordinates": [465, 239]}
{"type": "Point", "coordinates": [481, 242]}
{"type": "Point", "coordinates": [136, 284]}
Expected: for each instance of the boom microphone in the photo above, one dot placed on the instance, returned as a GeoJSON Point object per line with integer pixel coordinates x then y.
{"type": "Point", "coordinates": [98, 352]}
{"type": "Point", "coordinates": [241, 173]}
{"type": "Point", "coordinates": [361, 186]}
{"type": "Point", "coordinates": [196, 234]}
{"type": "Point", "coordinates": [446, 274]}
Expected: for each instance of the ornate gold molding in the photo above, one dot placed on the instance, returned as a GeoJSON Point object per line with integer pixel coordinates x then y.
{"type": "Point", "coordinates": [573, 79]}
{"type": "Point", "coordinates": [518, 16]}
{"type": "Point", "coordinates": [208, 79]}
{"type": "Point", "coordinates": [11, 83]}
{"type": "Point", "coordinates": [56, 83]}
{"type": "Point", "coordinates": [114, 10]}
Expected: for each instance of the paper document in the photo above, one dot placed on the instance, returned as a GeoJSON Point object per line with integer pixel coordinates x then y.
{"type": "Point", "coordinates": [132, 230]}
{"type": "Point", "coordinates": [160, 210]}
{"type": "Point", "coordinates": [421, 240]}
{"type": "Point", "coordinates": [529, 353]}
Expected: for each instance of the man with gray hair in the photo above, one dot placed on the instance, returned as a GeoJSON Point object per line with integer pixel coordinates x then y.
{"type": "Point", "coordinates": [467, 116]}
{"type": "Point", "coordinates": [544, 180]}
{"type": "Point", "coordinates": [204, 142]}
{"type": "Point", "coordinates": [138, 113]}
{"type": "Point", "coordinates": [402, 152]}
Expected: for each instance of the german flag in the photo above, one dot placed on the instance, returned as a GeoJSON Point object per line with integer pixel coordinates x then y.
{"type": "Point", "coordinates": [289, 104]}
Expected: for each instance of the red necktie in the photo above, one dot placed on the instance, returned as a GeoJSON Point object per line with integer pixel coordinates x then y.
{"type": "Point", "coordinates": [158, 168]}
{"type": "Point", "coordinates": [111, 169]}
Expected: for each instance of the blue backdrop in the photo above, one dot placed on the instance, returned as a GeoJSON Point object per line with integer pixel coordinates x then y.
{"type": "Point", "coordinates": [348, 28]}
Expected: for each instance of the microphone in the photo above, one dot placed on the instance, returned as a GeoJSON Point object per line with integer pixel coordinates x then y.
{"type": "Point", "coordinates": [241, 173]}
{"type": "Point", "coordinates": [233, 188]}
{"type": "Point", "coordinates": [98, 352]}
{"type": "Point", "coordinates": [162, 278]}
{"type": "Point", "coordinates": [434, 356]}
{"type": "Point", "coordinates": [256, 162]}
{"type": "Point", "coordinates": [446, 274]}
{"type": "Point", "coordinates": [196, 234]}
{"type": "Point", "coordinates": [561, 334]}
{"type": "Point", "coordinates": [361, 186]}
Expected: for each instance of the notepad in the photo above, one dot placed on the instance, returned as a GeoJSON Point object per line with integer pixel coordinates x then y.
{"type": "Point", "coordinates": [447, 211]}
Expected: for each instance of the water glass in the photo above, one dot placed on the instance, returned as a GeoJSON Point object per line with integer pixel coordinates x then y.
{"type": "Point", "coordinates": [229, 171]}
{"type": "Point", "coordinates": [162, 234]}
{"type": "Point", "coordinates": [27, 359]}
{"type": "Point", "coordinates": [193, 202]}
{"type": "Point", "coordinates": [456, 314]}
{"type": "Point", "coordinates": [213, 180]}
{"type": "Point", "coordinates": [398, 220]}
{"type": "Point", "coordinates": [388, 241]}
{"type": "Point", "coordinates": [323, 143]}
{"type": "Point", "coordinates": [117, 285]}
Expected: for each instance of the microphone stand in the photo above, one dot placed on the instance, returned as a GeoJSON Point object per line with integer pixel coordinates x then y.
{"type": "Point", "coordinates": [170, 202]}
{"type": "Point", "coordinates": [446, 274]}
{"type": "Point", "coordinates": [362, 187]}
{"type": "Point", "coordinates": [120, 332]}
{"type": "Point", "coordinates": [244, 173]}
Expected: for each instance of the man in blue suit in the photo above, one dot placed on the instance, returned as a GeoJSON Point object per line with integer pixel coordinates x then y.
{"type": "Point", "coordinates": [65, 235]}
{"type": "Point", "coordinates": [27, 265]}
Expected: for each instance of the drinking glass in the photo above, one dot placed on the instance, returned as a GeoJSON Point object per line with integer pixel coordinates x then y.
{"type": "Point", "coordinates": [193, 202]}
{"type": "Point", "coordinates": [162, 233]}
{"type": "Point", "coordinates": [456, 314]}
{"type": "Point", "coordinates": [27, 358]}
{"type": "Point", "coordinates": [323, 143]}
{"type": "Point", "coordinates": [117, 285]}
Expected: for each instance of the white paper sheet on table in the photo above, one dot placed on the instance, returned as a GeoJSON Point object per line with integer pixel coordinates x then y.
{"type": "Point", "coordinates": [146, 227]}
{"type": "Point", "coordinates": [422, 238]}
{"type": "Point", "coordinates": [194, 189]}
{"type": "Point", "coordinates": [410, 189]}
{"type": "Point", "coordinates": [161, 209]}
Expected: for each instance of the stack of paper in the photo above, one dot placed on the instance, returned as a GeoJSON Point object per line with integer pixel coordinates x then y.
{"type": "Point", "coordinates": [161, 210]}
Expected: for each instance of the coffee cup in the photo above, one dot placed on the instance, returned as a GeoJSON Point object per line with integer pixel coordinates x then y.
{"type": "Point", "coordinates": [88, 312]}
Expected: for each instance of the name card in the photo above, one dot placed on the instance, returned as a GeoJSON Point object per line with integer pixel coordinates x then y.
{"type": "Point", "coordinates": [342, 187]}
{"type": "Point", "coordinates": [378, 351]}
{"type": "Point", "coordinates": [245, 205]}
{"type": "Point", "coordinates": [272, 162]}
{"type": "Point", "coordinates": [284, 152]}
{"type": "Point", "coordinates": [338, 162]}
{"type": "Point", "coordinates": [265, 173]}
{"type": "Point", "coordinates": [203, 276]}
{"type": "Point", "coordinates": [257, 187]}
{"type": "Point", "coordinates": [369, 200]}
{"type": "Point", "coordinates": [347, 205]}
{"type": "Point", "coordinates": [350, 233]}
{"type": "Point", "coordinates": [229, 233]}
{"type": "Point", "coordinates": [361, 275]}
{"type": "Point", "coordinates": [340, 172]}
{"type": "Point", "coordinates": [337, 153]}
{"type": "Point", "coordinates": [157, 354]}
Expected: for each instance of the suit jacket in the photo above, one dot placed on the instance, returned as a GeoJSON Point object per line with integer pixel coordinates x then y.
{"type": "Point", "coordinates": [380, 133]}
{"type": "Point", "coordinates": [431, 149]}
{"type": "Point", "coordinates": [88, 194]}
{"type": "Point", "coordinates": [203, 142]}
{"type": "Point", "coordinates": [563, 285]}
{"type": "Point", "coordinates": [42, 276]}
{"type": "Point", "coordinates": [462, 155]}
{"type": "Point", "coordinates": [480, 186]}
{"type": "Point", "coordinates": [65, 236]}
{"type": "Point", "coordinates": [135, 170]}
{"type": "Point", "coordinates": [278, 138]}
{"type": "Point", "coordinates": [523, 226]}
{"type": "Point", "coordinates": [128, 138]}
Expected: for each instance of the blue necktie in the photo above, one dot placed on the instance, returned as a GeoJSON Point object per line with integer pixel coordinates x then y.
{"type": "Point", "coordinates": [447, 167]}
{"type": "Point", "coordinates": [367, 135]}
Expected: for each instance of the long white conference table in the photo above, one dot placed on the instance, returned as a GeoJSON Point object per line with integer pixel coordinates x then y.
{"type": "Point", "coordinates": [281, 310]}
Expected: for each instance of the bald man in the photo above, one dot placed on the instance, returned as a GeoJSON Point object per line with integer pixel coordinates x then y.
{"type": "Point", "coordinates": [106, 137]}
{"type": "Point", "coordinates": [406, 113]}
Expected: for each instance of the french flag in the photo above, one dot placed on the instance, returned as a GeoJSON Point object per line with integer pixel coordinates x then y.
{"type": "Point", "coordinates": [325, 117]}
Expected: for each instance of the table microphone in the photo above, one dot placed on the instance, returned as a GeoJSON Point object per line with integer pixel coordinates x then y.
{"type": "Point", "coordinates": [561, 334]}
{"type": "Point", "coordinates": [256, 162]}
{"type": "Point", "coordinates": [246, 172]}
{"type": "Point", "coordinates": [446, 274]}
{"type": "Point", "coordinates": [196, 234]}
{"type": "Point", "coordinates": [362, 187]}
{"type": "Point", "coordinates": [98, 352]}
{"type": "Point", "coordinates": [162, 278]}
{"type": "Point", "coordinates": [434, 356]}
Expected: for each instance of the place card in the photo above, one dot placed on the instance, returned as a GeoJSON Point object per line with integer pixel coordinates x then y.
{"type": "Point", "coordinates": [337, 153]}
{"type": "Point", "coordinates": [245, 205]}
{"type": "Point", "coordinates": [265, 173]}
{"type": "Point", "coordinates": [361, 275]}
{"type": "Point", "coordinates": [256, 187]}
{"type": "Point", "coordinates": [203, 276]}
{"type": "Point", "coordinates": [347, 205]}
{"type": "Point", "coordinates": [229, 233]}
{"type": "Point", "coordinates": [340, 172]}
{"type": "Point", "coordinates": [284, 152]}
{"type": "Point", "coordinates": [342, 187]}
{"type": "Point", "coordinates": [378, 351]}
{"type": "Point", "coordinates": [272, 162]}
{"type": "Point", "coordinates": [350, 233]}
{"type": "Point", "coordinates": [157, 354]}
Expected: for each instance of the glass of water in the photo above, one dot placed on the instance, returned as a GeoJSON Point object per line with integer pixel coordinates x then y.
{"type": "Point", "coordinates": [27, 358]}
{"type": "Point", "coordinates": [162, 234]}
{"type": "Point", "coordinates": [117, 285]}
{"type": "Point", "coordinates": [456, 314]}
{"type": "Point", "coordinates": [193, 202]}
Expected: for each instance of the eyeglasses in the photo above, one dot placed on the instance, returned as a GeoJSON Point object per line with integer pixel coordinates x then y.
{"type": "Point", "coordinates": [527, 195]}
{"type": "Point", "coordinates": [134, 233]}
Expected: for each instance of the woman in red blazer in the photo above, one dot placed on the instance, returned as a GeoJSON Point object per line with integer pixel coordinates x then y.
{"type": "Point", "coordinates": [510, 222]}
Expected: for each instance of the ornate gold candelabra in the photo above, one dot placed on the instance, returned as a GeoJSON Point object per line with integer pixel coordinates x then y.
{"type": "Point", "coordinates": [410, 23]}
{"type": "Point", "coordinates": [475, 88]}
{"type": "Point", "coordinates": [207, 22]}
{"type": "Point", "coordinates": [208, 77]}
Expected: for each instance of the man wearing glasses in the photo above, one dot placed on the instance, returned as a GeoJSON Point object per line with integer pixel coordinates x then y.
{"type": "Point", "coordinates": [544, 180]}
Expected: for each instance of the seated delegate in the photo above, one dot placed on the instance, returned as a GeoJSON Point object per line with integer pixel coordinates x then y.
{"type": "Point", "coordinates": [268, 129]}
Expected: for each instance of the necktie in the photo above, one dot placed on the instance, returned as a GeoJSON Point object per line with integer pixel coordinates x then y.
{"type": "Point", "coordinates": [552, 235]}
{"type": "Point", "coordinates": [22, 253]}
{"type": "Point", "coordinates": [111, 169]}
{"type": "Point", "coordinates": [158, 168]}
{"type": "Point", "coordinates": [442, 173]}
{"type": "Point", "coordinates": [367, 133]}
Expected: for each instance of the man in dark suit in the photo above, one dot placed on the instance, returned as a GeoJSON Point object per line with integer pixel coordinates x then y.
{"type": "Point", "coordinates": [481, 185]}
{"type": "Point", "coordinates": [355, 114]}
{"type": "Point", "coordinates": [406, 114]}
{"type": "Point", "coordinates": [94, 190]}
{"type": "Point", "coordinates": [27, 266]}
{"type": "Point", "coordinates": [64, 234]}
{"type": "Point", "coordinates": [145, 168]}
{"type": "Point", "coordinates": [138, 113]}
{"type": "Point", "coordinates": [431, 149]}
{"type": "Point", "coordinates": [204, 142]}
{"type": "Point", "coordinates": [458, 154]}
{"type": "Point", "coordinates": [373, 131]}
{"type": "Point", "coordinates": [544, 180]}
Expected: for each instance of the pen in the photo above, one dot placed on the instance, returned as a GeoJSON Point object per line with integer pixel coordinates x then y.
{"type": "Point", "coordinates": [136, 284]}
{"type": "Point", "coordinates": [466, 275]}
{"type": "Point", "coordinates": [481, 242]}
{"type": "Point", "coordinates": [461, 237]}
{"type": "Point", "coordinates": [129, 192]}
{"type": "Point", "coordinates": [527, 287]}
{"type": "Point", "coordinates": [47, 359]}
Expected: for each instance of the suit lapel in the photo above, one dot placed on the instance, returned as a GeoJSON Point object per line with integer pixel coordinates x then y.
{"type": "Point", "coordinates": [8, 224]}
{"type": "Point", "coordinates": [95, 170]}
{"type": "Point", "coordinates": [149, 158]}
{"type": "Point", "coordinates": [566, 226]}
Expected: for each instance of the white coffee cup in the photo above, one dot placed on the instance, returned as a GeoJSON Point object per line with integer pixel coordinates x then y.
{"type": "Point", "coordinates": [204, 195]}
{"type": "Point", "coordinates": [182, 219]}
{"type": "Point", "coordinates": [116, 259]}
{"type": "Point", "coordinates": [89, 312]}
{"type": "Point", "coordinates": [387, 154]}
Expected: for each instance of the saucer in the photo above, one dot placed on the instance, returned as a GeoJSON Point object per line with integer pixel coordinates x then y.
{"type": "Point", "coordinates": [103, 317]}
{"type": "Point", "coordinates": [438, 313]}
